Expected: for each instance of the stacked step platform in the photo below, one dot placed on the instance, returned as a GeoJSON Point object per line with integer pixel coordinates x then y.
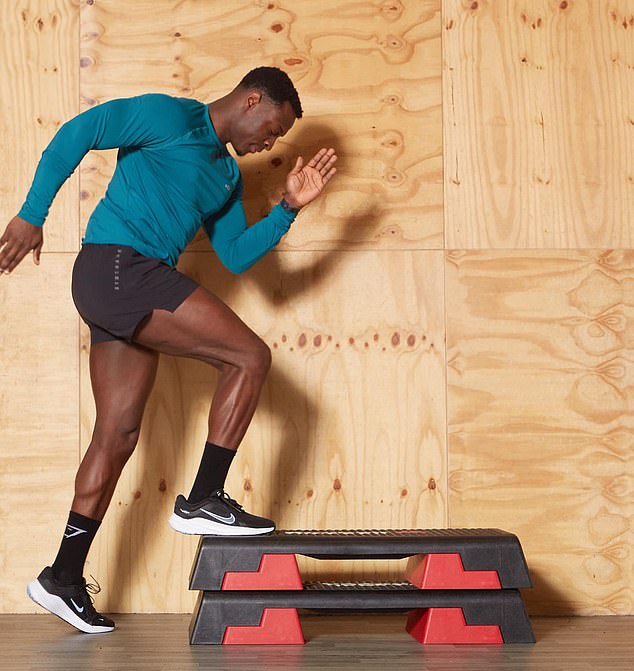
{"type": "Point", "coordinates": [460, 585]}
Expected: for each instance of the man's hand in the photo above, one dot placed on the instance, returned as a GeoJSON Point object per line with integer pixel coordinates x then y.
{"type": "Point", "coordinates": [18, 240]}
{"type": "Point", "coordinates": [305, 182]}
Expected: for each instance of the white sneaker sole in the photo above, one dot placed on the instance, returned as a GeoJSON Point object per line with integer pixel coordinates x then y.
{"type": "Point", "coordinates": [53, 604]}
{"type": "Point", "coordinates": [199, 527]}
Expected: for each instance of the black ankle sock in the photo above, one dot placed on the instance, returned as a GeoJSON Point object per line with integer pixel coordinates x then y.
{"type": "Point", "coordinates": [68, 566]}
{"type": "Point", "coordinates": [212, 472]}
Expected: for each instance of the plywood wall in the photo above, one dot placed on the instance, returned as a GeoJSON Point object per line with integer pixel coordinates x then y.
{"type": "Point", "coordinates": [539, 189]}
{"type": "Point", "coordinates": [540, 415]}
{"type": "Point", "coordinates": [515, 255]}
{"type": "Point", "coordinates": [539, 123]}
{"type": "Point", "coordinates": [39, 357]}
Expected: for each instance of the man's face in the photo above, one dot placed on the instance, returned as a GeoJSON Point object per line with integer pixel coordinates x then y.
{"type": "Point", "coordinates": [259, 124]}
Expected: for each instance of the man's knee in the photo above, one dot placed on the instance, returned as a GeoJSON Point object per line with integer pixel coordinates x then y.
{"type": "Point", "coordinates": [119, 439]}
{"type": "Point", "coordinates": [260, 359]}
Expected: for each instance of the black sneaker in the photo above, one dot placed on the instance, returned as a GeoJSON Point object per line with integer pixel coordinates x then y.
{"type": "Point", "coordinates": [71, 603]}
{"type": "Point", "coordinates": [217, 515]}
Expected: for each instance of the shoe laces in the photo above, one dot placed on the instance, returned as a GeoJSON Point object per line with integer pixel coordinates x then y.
{"type": "Point", "coordinates": [227, 499]}
{"type": "Point", "coordinates": [90, 589]}
{"type": "Point", "coordinates": [93, 588]}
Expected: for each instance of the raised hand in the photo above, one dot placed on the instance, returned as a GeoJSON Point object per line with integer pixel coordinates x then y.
{"type": "Point", "coordinates": [305, 182]}
{"type": "Point", "coordinates": [18, 240]}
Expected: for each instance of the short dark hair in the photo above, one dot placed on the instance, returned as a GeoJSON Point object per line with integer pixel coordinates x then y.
{"type": "Point", "coordinates": [275, 84]}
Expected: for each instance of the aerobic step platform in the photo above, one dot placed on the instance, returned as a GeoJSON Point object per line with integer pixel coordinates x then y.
{"type": "Point", "coordinates": [462, 584]}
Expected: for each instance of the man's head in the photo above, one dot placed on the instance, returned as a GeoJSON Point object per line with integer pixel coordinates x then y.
{"type": "Point", "coordinates": [267, 105]}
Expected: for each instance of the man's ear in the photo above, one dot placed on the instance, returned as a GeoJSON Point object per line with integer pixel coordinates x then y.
{"type": "Point", "coordinates": [253, 98]}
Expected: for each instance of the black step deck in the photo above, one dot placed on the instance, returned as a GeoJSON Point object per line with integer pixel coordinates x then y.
{"type": "Point", "coordinates": [216, 610]}
{"type": "Point", "coordinates": [480, 550]}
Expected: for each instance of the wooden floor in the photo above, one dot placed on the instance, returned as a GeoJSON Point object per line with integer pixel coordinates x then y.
{"type": "Point", "coordinates": [367, 642]}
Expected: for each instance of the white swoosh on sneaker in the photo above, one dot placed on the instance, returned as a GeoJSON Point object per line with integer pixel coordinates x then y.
{"type": "Point", "coordinates": [79, 610]}
{"type": "Point", "coordinates": [229, 520]}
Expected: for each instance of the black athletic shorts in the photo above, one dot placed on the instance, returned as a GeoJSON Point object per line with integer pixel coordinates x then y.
{"type": "Point", "coordinates": [114, 288]}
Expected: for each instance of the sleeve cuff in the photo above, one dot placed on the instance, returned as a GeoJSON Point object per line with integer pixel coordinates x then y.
{"type": "Point", "coordinates": [30, 218]}
{"type": "Point", "coordinates": [283, 217]}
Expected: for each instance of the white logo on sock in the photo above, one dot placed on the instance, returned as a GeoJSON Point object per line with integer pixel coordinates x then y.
{"type": "Point", "coordinates": [79, 610]}
{"type": "Point", "coordinates": [73, 531]}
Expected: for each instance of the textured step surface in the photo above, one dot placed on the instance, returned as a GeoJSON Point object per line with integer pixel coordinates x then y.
{"type": "Point", "coordinates": [479, 549]}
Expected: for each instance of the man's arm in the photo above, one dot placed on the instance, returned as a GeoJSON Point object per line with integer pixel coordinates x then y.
{"type": "Point", "coordinates": [118, 123]}
{"type": "Point", "coordinates": [239, 246]}
{"type": "Point", "coordinates": [125, 122]}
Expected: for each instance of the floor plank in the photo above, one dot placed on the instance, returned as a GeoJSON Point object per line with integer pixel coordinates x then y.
{"type": "Point", "coordinates": [368, 642]}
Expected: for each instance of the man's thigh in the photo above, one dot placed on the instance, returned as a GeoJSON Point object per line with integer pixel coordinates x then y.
{"type": "Point", "coordinates": [122, 376]}
{"type": "Point", "coordinates": [201, 327]}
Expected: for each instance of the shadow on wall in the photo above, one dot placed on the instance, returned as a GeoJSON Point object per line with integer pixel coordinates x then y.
{"type": "Point", "coordinates": [264, 174]}
{"type": "Point", "coordinates": [545, 598]}
{"type": "Point", "coordinates": [184, 388]}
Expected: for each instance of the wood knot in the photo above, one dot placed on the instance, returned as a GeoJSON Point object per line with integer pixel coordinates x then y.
{"type": "Point", "coordinates": [137, 494]}
{"type": "Point", "coordinates": [162, 485]}
{"type": "Point", "coordinates": [431, 484]}
{"type": "Point", "coordinates": [336, 485]}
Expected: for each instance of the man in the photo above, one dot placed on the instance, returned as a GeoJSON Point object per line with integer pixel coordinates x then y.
{"type": "Point", "coordinates": [173, 175]}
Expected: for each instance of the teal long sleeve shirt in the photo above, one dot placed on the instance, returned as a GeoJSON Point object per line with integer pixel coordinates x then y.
{"type": "Point", "coordinates": [173, 175]}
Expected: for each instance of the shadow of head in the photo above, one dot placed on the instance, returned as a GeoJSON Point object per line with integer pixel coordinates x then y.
{"type": "Point", "coordinates": [264, 174]}
{"type": "Point", "coordinates": [340, 219]}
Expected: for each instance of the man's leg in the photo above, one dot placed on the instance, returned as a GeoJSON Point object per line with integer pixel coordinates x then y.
{"type": "Point", "coordinates": [122, 376]}
{"type": "Point", "coordinates": [204, 328]}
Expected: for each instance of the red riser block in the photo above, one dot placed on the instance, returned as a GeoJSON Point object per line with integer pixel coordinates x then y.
{"type": "Point", "coordinates": [448, 626]}
{"type": "Point", "coordinates": [446, 571]}
{"type": "Point", "coordinates": [278, 626]}
{"type": "Point", "coordinates": [275, 572]}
